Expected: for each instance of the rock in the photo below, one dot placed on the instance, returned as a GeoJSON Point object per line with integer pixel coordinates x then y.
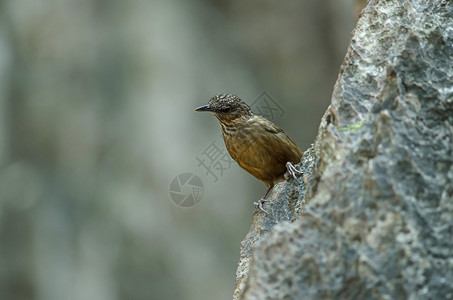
{"type": "Point", "coordinates": [286, 202]}
{"type": "Point", "coordinates": [376, 210]}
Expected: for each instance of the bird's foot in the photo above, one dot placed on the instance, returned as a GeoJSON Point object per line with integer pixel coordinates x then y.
{"type": "Point", "coordinates": [292, 170]}
{"type": "Point", "coordinates": [259, 204]}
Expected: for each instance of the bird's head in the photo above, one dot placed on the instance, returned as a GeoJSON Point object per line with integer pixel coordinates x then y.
{"type": "Point", "coordinates": [227, 108]}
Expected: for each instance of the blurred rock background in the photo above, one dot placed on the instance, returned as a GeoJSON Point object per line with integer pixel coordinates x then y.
{"type": "Point", "coordinates": [96, 119]}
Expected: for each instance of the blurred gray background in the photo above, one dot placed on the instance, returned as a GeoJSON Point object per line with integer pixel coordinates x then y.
{"type": "Point", "coordinates": [97, 118]}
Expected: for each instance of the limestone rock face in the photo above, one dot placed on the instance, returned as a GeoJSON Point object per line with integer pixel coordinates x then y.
{"type": "Point", "coordinates": [372, 218]}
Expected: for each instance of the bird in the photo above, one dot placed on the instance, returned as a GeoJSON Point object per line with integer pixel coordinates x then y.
{"type": "Point", "coordinates": [259, 146]}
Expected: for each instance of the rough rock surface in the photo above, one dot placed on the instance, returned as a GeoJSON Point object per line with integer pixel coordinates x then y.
{"type": "Point", "coordinates": [379, 179]}
{"type": "Point", "coordinates": [286, 203]}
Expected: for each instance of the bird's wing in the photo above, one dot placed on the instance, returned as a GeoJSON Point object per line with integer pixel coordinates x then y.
{"type": "Point", "coordinates": [272, 128]}
{"type": "Point", "coordinates": [268, 145]}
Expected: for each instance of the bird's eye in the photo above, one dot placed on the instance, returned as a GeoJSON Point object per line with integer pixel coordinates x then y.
{"type": "Point", "coordinates": [226, 109]}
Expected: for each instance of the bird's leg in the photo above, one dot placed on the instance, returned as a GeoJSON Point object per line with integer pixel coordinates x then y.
{"type": "Point", "coordinates": [260, 202]}
{"type": "Point", "coordinates": [292, 170]}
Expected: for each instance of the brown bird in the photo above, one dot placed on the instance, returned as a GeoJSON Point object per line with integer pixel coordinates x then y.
{"type": "Point", "coordinates": [255, 143]}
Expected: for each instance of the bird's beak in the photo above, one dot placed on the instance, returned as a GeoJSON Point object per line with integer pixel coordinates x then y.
{"type": "Point", "coordinates": [203, 108]}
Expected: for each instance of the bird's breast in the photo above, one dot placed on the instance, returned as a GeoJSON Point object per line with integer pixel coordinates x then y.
{"type": "Point", "coordinates": [239, 138]}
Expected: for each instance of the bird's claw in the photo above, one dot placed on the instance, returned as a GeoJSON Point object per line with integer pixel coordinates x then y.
{"type": "Point", "coordinates": [259, 205]}
{"type": "Point", "coordinates": [292, 170]}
